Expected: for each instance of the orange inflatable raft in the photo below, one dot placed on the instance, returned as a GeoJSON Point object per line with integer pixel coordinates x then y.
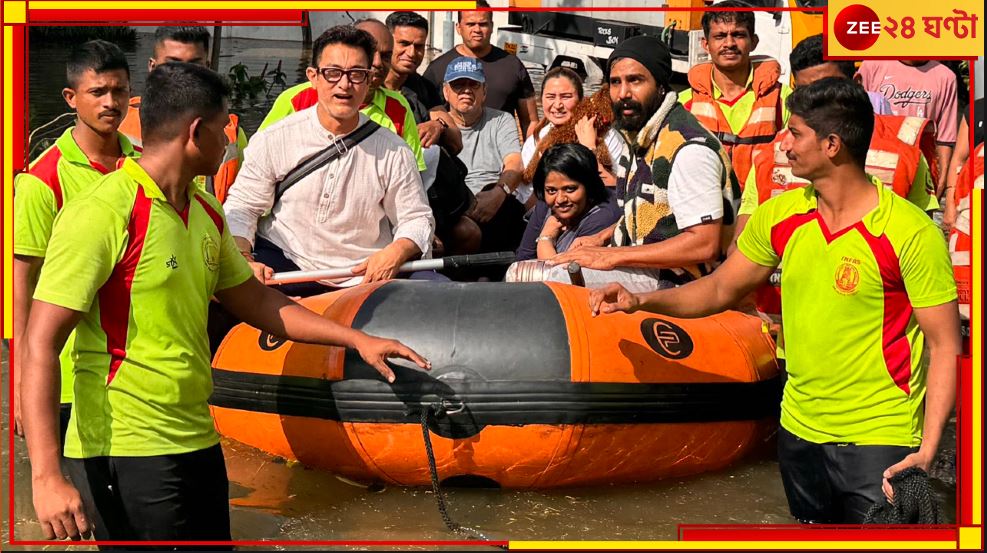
{"type": "Point", "coordinates": [526, 389]}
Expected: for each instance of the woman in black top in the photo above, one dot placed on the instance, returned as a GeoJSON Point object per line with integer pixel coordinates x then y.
{"type": "Point", "coordinates": [572, 202]}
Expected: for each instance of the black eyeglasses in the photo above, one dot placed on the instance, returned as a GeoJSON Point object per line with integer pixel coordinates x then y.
{"type": "Point", "coordinates": [334, 74]}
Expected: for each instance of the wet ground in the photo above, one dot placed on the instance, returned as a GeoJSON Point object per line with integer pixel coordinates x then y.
{"type": "Point", "coordinates": [275, 500]}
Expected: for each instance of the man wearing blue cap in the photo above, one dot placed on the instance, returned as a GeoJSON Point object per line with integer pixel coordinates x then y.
{"type": "Point", "coordinates": [674, 183]}
{"type": "Point", "coordinates": [491, 152]}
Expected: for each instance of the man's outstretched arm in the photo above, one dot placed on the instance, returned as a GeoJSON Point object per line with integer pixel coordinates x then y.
{"type": "Point", "coordinates": [737, 277]}
{"type": "Point", "coordinates": [270, 310]}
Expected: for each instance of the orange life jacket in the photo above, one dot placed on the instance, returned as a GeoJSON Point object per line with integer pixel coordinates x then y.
{"type": "Point", "coordinates": [220, 183]}
{"type": "Point", "coordinates": [763, 123]}
{"type": "Point", "coordinates": [895, 149]}
{"type": "Point", "coordinates": [960, 243]}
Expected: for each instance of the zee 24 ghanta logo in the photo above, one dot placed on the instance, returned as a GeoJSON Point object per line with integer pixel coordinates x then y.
{"type": "Point", "coordinates": [857, 27]}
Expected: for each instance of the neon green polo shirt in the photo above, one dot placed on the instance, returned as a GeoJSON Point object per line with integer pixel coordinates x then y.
{"type": "Point", "coordinates": [59, 174]}
{"type": "Point", "coordinates": [142, 275]}
{"type": "Point", "coordinates": [739, 111]}
{"type": "Point", "coordinates": [388, 108]}
{"type": "Point", "coordinates": [854, 348]}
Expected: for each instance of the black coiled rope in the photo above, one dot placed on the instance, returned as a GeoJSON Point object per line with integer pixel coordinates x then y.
{"type": "Point", "coordinates": [455, 527]}
{"type": "Point", "coordinates": [914, 501]}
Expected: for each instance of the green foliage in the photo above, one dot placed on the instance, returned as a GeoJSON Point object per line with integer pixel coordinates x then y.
{"type": "Point", "coordinates": [248, 88]}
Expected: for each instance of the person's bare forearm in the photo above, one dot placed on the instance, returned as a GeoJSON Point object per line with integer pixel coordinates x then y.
{"type": "Point", "coordinates": [943, 154]}
{"type": "Point", "coordinates": [406, 249]}
{"type": "Point", "coordinates": [512, 172]}
{"type": "Point", "coordinates": [527, 116]}
{"type": "Point", "coordinates": [452, 137]}
{"type": "Point", "coordinates": [685, 249]}
{"type": "Point", "coordinates": [25, 274]}
{"type": "Point", "coordinates": [940, 392]}
{"type": "Point", "coordinates": [699, 298]}
{"type": "Point", "coordinates": [269, 310]}
{"type": "Point", "coordinates": [40, 393]}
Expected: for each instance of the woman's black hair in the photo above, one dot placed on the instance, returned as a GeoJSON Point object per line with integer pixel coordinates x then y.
{"type": "Point", "coordinates": [576, 162]}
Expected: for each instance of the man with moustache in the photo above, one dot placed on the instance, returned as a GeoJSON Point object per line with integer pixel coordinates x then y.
{"type": "Point", "coordinates": [509, 86]}
{"type": "Point", "coordinates": [98, 86]}
{"type": "Point", "coordinates": [674, 183]}
{"type": "Point", "coordinates": [190, 45]}
{"type": "Point", "coordinates": [365, 209]}
{"type": "Point", "coordinates": [736, 97]}
{"type": "Point", "coordinates": [387, 108]}
{"type": "Point", "coordinates": [435, 125]}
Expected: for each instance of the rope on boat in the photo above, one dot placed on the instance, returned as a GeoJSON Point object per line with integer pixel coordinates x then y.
{"type": "Point", "coordinates": [465, 531]}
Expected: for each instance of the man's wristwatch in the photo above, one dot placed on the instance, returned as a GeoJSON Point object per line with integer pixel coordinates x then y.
{"type": "Point", "coordinates": [507, 189]}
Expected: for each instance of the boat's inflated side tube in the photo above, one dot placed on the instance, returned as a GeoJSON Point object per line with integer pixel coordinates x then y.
{"type": "Point", "coordinates": [527, 387]}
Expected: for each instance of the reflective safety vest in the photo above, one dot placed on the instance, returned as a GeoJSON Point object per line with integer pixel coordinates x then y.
{"type": "Point", "coordinates": [960, 243]}
{"type": "Point", "coordinates": [895, 147]}
{"type": "Point", "coordinates": [220, 183]}
{"type": "Point", "coordinates": [763, 123]}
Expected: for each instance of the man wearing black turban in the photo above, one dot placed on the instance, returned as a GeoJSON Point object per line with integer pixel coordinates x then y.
{"type": "Point", "coordinates": [674, 183]}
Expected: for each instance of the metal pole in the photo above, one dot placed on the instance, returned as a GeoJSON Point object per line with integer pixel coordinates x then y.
{"type": "Point", "coordinates": [448, 33]}
{"type": "Point", "coordinates": [452, 262]}
{"type": "Point", "coordinates": [217, 39]}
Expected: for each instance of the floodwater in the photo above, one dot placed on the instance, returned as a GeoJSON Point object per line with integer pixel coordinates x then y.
{"type": "Point", "coordinates": [275, 500]}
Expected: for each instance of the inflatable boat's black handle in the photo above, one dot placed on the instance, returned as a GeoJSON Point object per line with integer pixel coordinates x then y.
{"type": "Point", "coordinates": [472, 260]}
{"type": "Point", "coordinates": [576, 274]}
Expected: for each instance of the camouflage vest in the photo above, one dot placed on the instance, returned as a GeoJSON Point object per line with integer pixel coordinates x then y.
{"type": "Point", "coordinates": [642, 180]}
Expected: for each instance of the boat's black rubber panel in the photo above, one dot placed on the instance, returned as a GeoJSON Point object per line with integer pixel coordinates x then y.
{"type": "Point", "coordinates": [495, 403]}
{"type": "Point", "coordinates": [484, 331]}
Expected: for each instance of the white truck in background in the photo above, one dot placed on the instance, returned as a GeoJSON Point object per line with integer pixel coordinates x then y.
{"type": "Point", "coordinates": [581, 34]}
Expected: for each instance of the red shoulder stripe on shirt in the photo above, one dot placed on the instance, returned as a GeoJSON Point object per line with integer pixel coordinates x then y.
{"type": "Point", "coordinates": [212, 213]}
{"type": "Point", "coordinates": [396, 112]}
{"type": "Point", "coordinates": [897, 309]}
{"type": "Point", "coordinates": [304, 99]}
{"type": "Point", "coordinates": [46, 169]}
{"type": "Point", "coordinates": [782, 232]}
{"type": "Point", "coordinates": [114, 296]}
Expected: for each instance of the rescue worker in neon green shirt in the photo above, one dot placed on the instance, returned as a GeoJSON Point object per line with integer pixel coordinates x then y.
{"type": "Point", "coordinates": [98, 87]}
{"type": "Point", "coordinates": [866, 288]}
{"type": "Point", "coordinates": [133, 265]}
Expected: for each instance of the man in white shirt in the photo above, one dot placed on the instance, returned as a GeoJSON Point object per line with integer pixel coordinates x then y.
{"type": "Point", "coordinates": [365, 209]}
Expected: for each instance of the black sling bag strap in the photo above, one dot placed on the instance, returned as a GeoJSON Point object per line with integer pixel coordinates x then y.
{"type": "Point", "coordinates": [333, 151]}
